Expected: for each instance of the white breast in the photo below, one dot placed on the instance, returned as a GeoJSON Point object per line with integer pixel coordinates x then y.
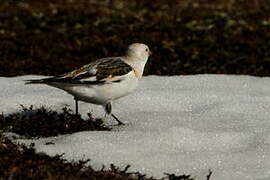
{"type": "Point", "coordinates": [102, 94]}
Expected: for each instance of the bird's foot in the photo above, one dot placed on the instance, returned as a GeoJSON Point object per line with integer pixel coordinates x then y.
{"type": "Point", "coordinates": [120, 123]}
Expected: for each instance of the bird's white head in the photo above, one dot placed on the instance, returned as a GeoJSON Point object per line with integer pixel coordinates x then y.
{"type": "Point", "coordinates": [139, 51]}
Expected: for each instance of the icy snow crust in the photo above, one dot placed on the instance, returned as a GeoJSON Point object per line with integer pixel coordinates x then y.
{"type": "Point", "coordinates": [180, 124]}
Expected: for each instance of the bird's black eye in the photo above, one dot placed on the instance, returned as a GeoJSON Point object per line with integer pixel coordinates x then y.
{"type": "Point", "coordinates": [146, 50]}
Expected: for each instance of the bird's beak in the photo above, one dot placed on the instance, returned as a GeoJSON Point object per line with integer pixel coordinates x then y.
{"type": "Point", "coordinates": [150, 52]}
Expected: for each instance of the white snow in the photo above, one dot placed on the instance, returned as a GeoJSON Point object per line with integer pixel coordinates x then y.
{"type": "Point", "coordinates": [179, 124]}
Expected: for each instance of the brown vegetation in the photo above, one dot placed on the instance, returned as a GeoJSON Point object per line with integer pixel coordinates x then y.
{"type": "Point", "coordinates": [41, 122]}
{"type": "Point", "coordinates": [187, 37]}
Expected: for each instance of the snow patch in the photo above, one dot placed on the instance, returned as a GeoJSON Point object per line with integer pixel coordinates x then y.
{"type": "Point", "coordinates": [178, 124]}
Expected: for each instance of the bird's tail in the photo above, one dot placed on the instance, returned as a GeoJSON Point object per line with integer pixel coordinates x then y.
{"type": "Point", "coordinates": [44, 80]}
{"type": "Point", "coordinates": [41, 81]}
{"type": "Point", "coordinates": [34, 81]}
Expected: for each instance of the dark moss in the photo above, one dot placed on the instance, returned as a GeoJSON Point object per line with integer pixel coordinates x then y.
{"type": "Point", "coordinates": [42, 122]}
{"type": "Point", "coordinates": [52, 37]}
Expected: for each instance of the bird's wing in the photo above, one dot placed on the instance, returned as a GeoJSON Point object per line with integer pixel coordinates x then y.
{"type": "Point", "coordinates": [107, 70]}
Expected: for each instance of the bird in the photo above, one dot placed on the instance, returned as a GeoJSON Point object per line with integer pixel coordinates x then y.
{"type": "Point", "coordinates": [104, 80]}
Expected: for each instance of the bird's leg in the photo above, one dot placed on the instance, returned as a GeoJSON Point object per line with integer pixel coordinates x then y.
{"type": "Point", "coordinates": [108, 109]}
{"type": "Point", "coordinates": [119, 122]}
{"type": "Point", "coordinates": [76, 106]}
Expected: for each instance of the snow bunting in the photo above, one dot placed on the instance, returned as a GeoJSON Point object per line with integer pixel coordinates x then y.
{"type": "Point", "coordinates": [103, 80]}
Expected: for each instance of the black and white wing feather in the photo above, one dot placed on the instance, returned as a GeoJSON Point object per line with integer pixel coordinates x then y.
{"type": "Point", "coordinates": [107, 70]}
